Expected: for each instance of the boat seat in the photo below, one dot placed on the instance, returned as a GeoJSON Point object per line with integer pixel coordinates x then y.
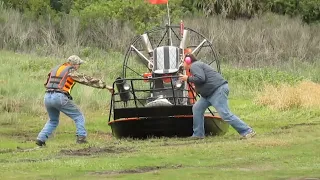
{"type": "Point", "coordinates": [166, 60]}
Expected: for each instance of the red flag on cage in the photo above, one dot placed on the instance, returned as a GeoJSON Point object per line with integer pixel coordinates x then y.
{"type": "Point", "coordinates": [158, 1]}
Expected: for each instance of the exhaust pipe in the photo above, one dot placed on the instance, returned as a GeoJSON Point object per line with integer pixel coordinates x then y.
{"type": "Point", "coordinates": [146, 43]}
{"type": "Point", "coordinates": [184, 39]}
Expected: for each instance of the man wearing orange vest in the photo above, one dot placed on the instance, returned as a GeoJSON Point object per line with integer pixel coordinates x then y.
{"type": "Point", "coordinates": [57, 98]}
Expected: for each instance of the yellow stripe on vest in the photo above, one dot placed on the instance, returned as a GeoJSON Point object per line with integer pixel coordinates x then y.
{"type": "Point", "coordinates": [61, 68]}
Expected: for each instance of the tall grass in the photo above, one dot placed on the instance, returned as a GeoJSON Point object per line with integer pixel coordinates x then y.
{"type": "Point", "coordinates": [22, 78]}
{"type": "Point", "coordinates": [305, 94]}
{"type": "Point", "coordinates": [59, 37]}
{"type": "Point", "coordinates": [246, 82]}
{"type": "Point", "coordinates": [267, 40]}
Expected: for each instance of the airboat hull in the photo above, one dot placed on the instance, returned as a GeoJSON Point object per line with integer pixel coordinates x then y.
{"type": "Point", "coordinates": [165, 126]}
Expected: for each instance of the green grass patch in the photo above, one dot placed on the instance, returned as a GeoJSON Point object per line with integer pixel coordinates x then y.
{"type": "Point", "coordinates": [286, 145]}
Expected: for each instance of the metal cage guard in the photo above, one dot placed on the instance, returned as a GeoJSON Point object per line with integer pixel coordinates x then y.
{"type": "Point", "coordinates": [137, 100]}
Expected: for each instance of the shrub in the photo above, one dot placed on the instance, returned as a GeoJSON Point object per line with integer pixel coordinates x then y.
{"type": "Point", "coordinates": [309, 10]}
{"type": "Point", "coordinates": [140, 14]}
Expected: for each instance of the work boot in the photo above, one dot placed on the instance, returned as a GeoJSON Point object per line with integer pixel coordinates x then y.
{"type": "Point", "coordinates": [81, 139]}
{"type": "Point", "coordinates": [40, 143]}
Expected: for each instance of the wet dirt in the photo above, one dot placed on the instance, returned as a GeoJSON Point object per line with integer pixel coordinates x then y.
{"type": "Point", "coordinates": [95, 150]}
{"type": "Point", "coordinates": [303, 178]}
{"type": "Point", "coordinates": [3, 151]}
{"type": "Point", "coordinates": [301, 124]}
{"type": "Point", "coordinates": [136, 170]}
{"type": "Point", "coordinates": [21, 137]}
{"type": "Point", "coordinates": [6, 124]}
{"type": "Point", "coordinates": [189, 142]}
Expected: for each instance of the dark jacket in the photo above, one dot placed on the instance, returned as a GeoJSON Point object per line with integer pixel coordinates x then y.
{"type": "Point", "coordinates": [205, 78]}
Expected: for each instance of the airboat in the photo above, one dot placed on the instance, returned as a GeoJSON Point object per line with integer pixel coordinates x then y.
{"type": "Point", "coordinates": [149, 100]}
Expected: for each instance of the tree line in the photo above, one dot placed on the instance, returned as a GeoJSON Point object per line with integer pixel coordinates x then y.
{"type": "Point", "coordinates": [143, 15]}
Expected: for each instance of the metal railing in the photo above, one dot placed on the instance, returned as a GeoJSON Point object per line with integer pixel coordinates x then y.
{"type": "Point", "coordinates": [137, 91]}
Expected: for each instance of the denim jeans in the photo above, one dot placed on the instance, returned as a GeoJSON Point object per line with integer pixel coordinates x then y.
{"type": "Point", "coordinates": [56, 102]}
{"type": "Point", "coordinates": [219, 100]}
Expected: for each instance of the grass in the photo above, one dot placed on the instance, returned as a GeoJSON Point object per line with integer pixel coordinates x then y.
{"type": "Point", "coordinates": [286, 147]}
{"type": "Point", "coordinates": [304, 94]}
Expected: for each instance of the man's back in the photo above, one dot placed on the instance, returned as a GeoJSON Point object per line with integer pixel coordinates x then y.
{"type": "Point", "coordinates": [205, 78]}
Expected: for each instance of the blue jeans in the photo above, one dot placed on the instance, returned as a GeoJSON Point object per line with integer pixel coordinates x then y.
{"type": "Point", "coordinates": [56, 102]}
{"type": "Point", "coordinates": [219, 100]}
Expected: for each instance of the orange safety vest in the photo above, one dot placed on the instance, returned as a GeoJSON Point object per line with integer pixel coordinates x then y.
{"type": "Point", "coordinates": [59, 79]}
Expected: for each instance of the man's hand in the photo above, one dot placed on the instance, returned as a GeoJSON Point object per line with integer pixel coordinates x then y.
{"type": "Point", "coordinates": [183, 77]}
{"type": "Point", "coordinates": [110, 89]}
